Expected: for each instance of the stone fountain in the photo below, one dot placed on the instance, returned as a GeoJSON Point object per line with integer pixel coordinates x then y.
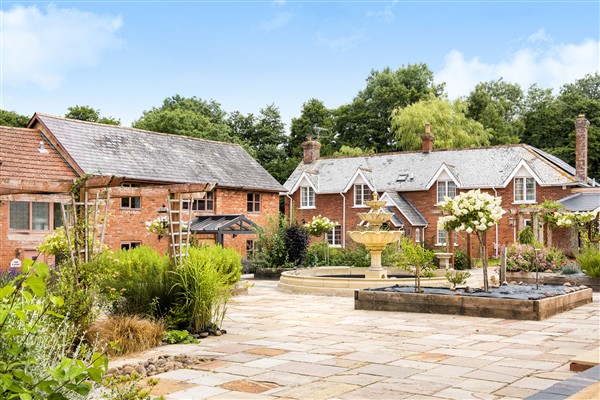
{"type": "Point", "coordinates": [375, 239]}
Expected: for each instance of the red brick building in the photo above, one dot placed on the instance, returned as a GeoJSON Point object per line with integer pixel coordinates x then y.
{"type": "Point", "coordinates": [39, 164]}
{"type": "Point", "coordinates": [414, 182]}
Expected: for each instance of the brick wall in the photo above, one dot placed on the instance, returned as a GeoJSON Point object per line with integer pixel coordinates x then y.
{"type": "Point", "coordinates": [332, 206]}
{"type": "Point", "coordinates": [129, 225]}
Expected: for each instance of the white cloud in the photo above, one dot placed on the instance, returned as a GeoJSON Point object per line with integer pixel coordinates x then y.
{"type": "Point", "coordinates": [385, 15]}
{"type": "Point", "coordinates": [281, 20]}
{"type": "Point", "coordinates": [340, 43]}
{"type": "Point", "coordinates": [547, 64]}
{"type": "Point", "coordinates": [41, 47]}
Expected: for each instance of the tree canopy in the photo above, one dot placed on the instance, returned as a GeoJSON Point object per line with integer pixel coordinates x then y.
{"type": "Point", "coordinates": [11, 118]}
{"type": "Point", "coordinates": [87, 113]}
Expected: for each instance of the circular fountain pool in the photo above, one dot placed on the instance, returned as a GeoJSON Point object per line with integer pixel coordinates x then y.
{"type": "Point", "coordinates": [343, 281]}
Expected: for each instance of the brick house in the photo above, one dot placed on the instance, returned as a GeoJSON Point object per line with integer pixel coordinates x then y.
{"type": "Point", "coordinates": [414, 182]}
{"type": "Point", "coordinates": [38, 165]}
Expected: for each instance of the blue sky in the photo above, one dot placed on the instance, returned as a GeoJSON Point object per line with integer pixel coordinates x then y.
{"type": "Point", "coordinates": [124, 57]}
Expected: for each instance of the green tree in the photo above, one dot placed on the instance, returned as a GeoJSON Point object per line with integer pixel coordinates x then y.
{"type": "Point", "coordinates": [315, 120]}
{"type": "Point", "coordinates": [346, 151]}
{"type": "Point", "coordinates": [450, 126]}
{"type": "Point", "coordinates": [189, 117]}
{"type": "Point", "coordinates": [11, 118]}
{"type": "Point", "coordinates": [366, 121]}
{"type": "Point", "coordinates": [498, 106]}
{"type": "Point", "coordinates": [87, 113]}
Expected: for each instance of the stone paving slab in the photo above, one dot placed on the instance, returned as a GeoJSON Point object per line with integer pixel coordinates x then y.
{"type": "Point", "coordinates": [318, 347]}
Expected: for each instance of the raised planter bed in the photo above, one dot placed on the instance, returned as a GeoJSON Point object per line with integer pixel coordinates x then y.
{"type": "Point", "coordinates": [551, 278]}
{"type": "Point", "coordinates": [490, 305]}
{"type": "Point", "coordinates": [269, 273]}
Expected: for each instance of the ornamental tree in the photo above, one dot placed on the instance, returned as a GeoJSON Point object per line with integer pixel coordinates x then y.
{"type": "Point", "coordinates": [473, 212]}
{"type": "Point", "coordinates": [320, 226]}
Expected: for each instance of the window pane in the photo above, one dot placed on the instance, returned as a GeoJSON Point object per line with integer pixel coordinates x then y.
{"type": "Point", "coordinates": [451, 190]}
{"type": "Point", "coordinates": [530, 195]}
{"type": "Point", "coordinates": [57, 220]}
{"type": "Point", "coordinates": [136, 202]}
{"type": "Point", "coordinates": [441, 234]}
{"type": "Point", "coordinates": [518, 189]}
{"type": "Point", "coordinates": [40, 216]}
{"type": "Point", "coordinates": [441, 186]}
{"type": "Point", "coordinates": [19, 215]}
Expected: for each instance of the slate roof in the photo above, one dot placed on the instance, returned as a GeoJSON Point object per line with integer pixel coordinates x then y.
{"type": "Point", "coordinates": [582, 201]}
{"type": "Point", "coordinates": [407, 209]}
{"type": "Point", "coordinates": [412, 171]}
{"type": "Point", "coordinates": [20, 157]}
{"type": "Point", "coordinates": [101, 149]}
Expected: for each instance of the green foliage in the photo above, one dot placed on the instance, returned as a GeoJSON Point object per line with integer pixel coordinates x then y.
{"type": "Point", "coordinates": [55, 243]}
{"type": "Point", "coordinates": [589, 261]}
{"type": "Point", "coordinates": [354, 255]}
{"type": "Point", "coordinates": [36, 359]}
{"type": "Point", "coordinates": [319, 225]}
{"type": "Point", "coordinates": [189, 117]}
{"type": "Point", "coordinates": [450, 127]}
{"type": "Point", "coordinates": [271, 243]}
{"type": "Point", "coordinates": [128, 387]}
{"type": "Point", "coordinates": [526, 236]}
{"type": "Point", "coordinates": [570, 269]}
{"type": "Point", "coordinates": [457, 277]}
{"type": "Point", "coordinates": [522, 257]}
{"type": "Point", "coordinates": [296, 243]}
{"type": "Point", "coordinates": [87, 113]}
{"type": "Point", "coordinates": [315, 120]}
{"type": "Point", "coordinates": [416, 259]}
{"type": "Point", "coordinates": [141, 277]}
{"type": "Point", "coordinates": [11, 118]}
{"type": "Point", "coordinates": [175, 337]}
{"type": "Point", "coordinates": [346, 151]}
{"type": "Point", "coordinates": [203, 286]}
{"type": "Point", "coordinates": [461, 260]}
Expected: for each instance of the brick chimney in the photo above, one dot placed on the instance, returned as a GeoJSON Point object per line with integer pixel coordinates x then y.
{"type": "Point", "coordinates": [311, 150]}
{"type": "Point", "coordinates": [581, 147]}
{"type": "Point", "coordinates": [427, 139]}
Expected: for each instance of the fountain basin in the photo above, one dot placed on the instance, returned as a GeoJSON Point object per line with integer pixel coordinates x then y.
{"type": "Point", "coordinates": [375, 240]}
{"type": "Point", "coordinates": [312, 281]}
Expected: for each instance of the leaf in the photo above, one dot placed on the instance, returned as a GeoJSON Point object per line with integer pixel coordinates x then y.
{"type": "Point", "coordinates": [57, 396]}
{"type": "Point", "coordinates": [24, 396]}
{"type": "Point", "coordinates": [6, 291]}
{"type": "Point", "coordinates": [33, 307]}
{"type": "Point", "coordinates": [42, 270]}
{"type": "Point", "coordinates": [21, 315]}
{"type": "Point", "coordinates": [28, 296]}
{"type": "Point", "coordinates": [95, 374]}
{"type": "Point", "coordinates": [37, 285]}
{"type": "Point", "coordinates": [57, 301]}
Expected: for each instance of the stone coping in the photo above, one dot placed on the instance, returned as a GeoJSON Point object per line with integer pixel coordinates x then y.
{"type": "Point", "coordinates": [311, 281]}
{"type": "Point", "coordinates": [488, 307]}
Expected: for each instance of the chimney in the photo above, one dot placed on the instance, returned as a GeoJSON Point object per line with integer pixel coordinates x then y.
{"type": "Point", "coordinates": [581, 147]}
{"type": "Point", "coordinates": [311, 150]}
{"type": "Point", "coordinates": [427, 139]}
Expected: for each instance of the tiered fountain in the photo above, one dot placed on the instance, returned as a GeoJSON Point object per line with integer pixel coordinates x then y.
{"type": "Point", "coordinates": [375, 239]}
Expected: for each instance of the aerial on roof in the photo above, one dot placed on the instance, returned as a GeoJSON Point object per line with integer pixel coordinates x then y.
{"type": "Point", "coordinates": [410, 171]}
{"type": "Point", "coordinates": [100, 149]}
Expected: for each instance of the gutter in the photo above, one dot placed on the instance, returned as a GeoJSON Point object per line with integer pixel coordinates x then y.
{"type": "Point", "coordinates": [343, 220]}
{"type": "Point", "coordinates": [291, 207]}
{"type": "Point", "coordinates": [496, 244]}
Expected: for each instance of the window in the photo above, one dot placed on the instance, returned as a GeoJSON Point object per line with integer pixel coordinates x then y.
{"type": "Point", "coordinates": [417, 235]}
{"type": "Point", "coordinates": [362, 193]}
{"type": "Point", "coordinates": [441, 236]}
{"type": "Point", "coordinates": [253, 202]}
{"type": "Point", "coordinates": [131, 202]}
{"type": "Point", "coordinates": [307, 197]}
{"type": "Point", "coordinates": [524, 190]}
{"type": "Point", "coordinates": [34, 216]}
{"type": "Point", "coordinates": [445, 188]}
{"type": "Point", "coordinates": [205, 204]}
{"type": "Point", "coordinates": [130, 245]}
{"type": "Point", "coordinates": [251, 248]}
{"type": "Point", "coordinates": [334, 237]}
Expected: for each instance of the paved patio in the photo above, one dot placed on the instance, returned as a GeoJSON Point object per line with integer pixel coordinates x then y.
{"type": "Point", "coordinates": [285, 346]}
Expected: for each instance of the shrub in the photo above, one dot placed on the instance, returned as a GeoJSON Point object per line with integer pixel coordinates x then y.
{"type": "Point", "coordinates": [141, 277]}
{"type": "Point", "coordinates": [461, 260]}
{"type": "Point", "coordinates": [589, 261]}
{"type": "Point", "coordinates": [175, 336]}
{"type": "Point", "coordinates": [521, 258]}
{"type": "Point", "coordinates": [526, 236]}
{"type": "Point", "coordinates": [37, 359]}
{"type": "Point", "coordinates": [457, 277]}
{"type": "Point", "coordinates": [271, 244]}
{"type": "Point", "coordinates": [570, 269]}
{"type": "Point", "coordinates": [296, 243]}
{"type": "Point", "coordinates": [130, 333]}
{"type": "Point", "coordinates": [202, 287]}
{"type": "Point", "coordinates": [416, 259]}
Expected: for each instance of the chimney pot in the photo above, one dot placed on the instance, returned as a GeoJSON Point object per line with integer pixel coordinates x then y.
{"type": "Point", "coordinates": [312, 150]}
{"type": "Point", "coordinates": [581, 147]}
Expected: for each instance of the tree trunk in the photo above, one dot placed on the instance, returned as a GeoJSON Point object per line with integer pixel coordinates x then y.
{"type": "Point", "coordinates": [418, 279]}
{"type": "Point", "coordinates": [481, 237]}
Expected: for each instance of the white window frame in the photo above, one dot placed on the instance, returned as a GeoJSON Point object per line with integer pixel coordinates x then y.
{"type": "Point", "coordinates": [523, 190]}
{"type": "Point", "coordinates": [362, 192]}
{"type": "Point", "coordinates": [334, 237]}
{"type": "Point", "coordinates": [307, 197]}
{"type": "Point", "coordinates": [417, 235]}
{"type": "Point", "coordinates": [441, 234]}
{"type": "Point", "coordinates": [443, 189]}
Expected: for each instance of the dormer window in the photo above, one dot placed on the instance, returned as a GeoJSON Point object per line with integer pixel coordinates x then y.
{"type": "Point", "coordinates": [307, 197]}
{"type": "Point", "coordinates": [362, 193]}
{"type": "Point", "coordinates": [524, 190]}
{"type": "Point", "coordinates": [445, 188]}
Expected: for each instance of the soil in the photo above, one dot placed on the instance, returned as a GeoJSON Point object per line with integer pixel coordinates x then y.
{"type": "Point", "coordinates": [518, 292]}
